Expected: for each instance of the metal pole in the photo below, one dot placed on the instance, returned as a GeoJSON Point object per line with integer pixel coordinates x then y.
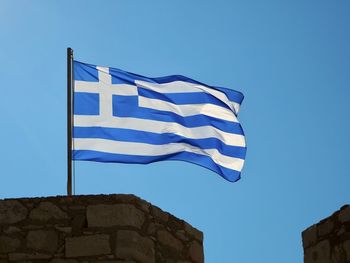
{"type": "Point", "coordinates": [69, 119]}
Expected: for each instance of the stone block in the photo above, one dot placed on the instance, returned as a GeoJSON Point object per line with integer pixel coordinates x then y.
{"type": "Point", "coordinates": [78, 223]}
{"type": "Point", "coordinates": [168, 240]}
{"type": "Point", "coordinates": [64, 229]}
{"type": "Point", "coordinates": [45, 240]}
{"type": "Point", "coordinates": [60, 260]}
{"type": "Point", "coordinates": [12, 211]}
{"type": "Point", "coordinates": [46, 211]}
{"type": "Point", "coordinates": [159, 214]}
{"type": "Point", "coordinates": [325, 228]}
{"type": "Point", "coordinates": [175, 224]}
{"type": "Point", "coordinates": [114, 215]}
{"type": "Point", "coordinates": [194, 232]}
{"type": "Point", "coordinates": [28, 256]}
{"type": "Point", "coordinates": [309, 236]}
{"type": "Point", "coordinates": [131, 245]}
{"type": "Point", "coordinates": [32, 227]}
{"type": "Point", "coordinates": [344, 214]}
{"type": "Point", "coordinates": [9, 244]}
{"type": "Point", "coordinates": [144, 206]}
{"type": "Point", "coordinates": [12, 230]}
{"type": "Point", "coordinates": [196, 252]}
{"type": "Point", "coordinates": [346, 247]}
{"type": "Point", "coordinates": [319, 253]}
{"type": "Point", "coordinates": [181, 234]}
{"type": "Point", "coordinates": [152, 228]}
{"type": "Point", "coordinates": [337, 255]}
{"type": "Point", "coordinates": [111, 261]}
{"type": "Point", "coordinates": [85, 246]}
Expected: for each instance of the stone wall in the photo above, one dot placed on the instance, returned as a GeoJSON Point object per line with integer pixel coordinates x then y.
{"type": "Point", "coordinates": [329, 240]}
{"type": "Point", "coordinates": [101, 228]}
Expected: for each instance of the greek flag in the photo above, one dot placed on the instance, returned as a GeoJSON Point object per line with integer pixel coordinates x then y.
{"type": "Point", "coordinates": [128, 118]}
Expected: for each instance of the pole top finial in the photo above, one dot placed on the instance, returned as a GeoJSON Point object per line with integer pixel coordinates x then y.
{"type": "Point", "coordinates": [70, 51]}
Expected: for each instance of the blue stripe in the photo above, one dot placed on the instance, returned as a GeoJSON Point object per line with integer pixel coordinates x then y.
{"type": "Point", "coordinates": [201, 160]}
{"type": "Point", "coordinates": [232, 95]}
{"type": "Point", "coordinates": [128, 135]}
{"type": "Point", "coordinates": [85, 72]}
{"type": "Point", "coordinates": [126, 106]}
{"type": "Point", "coordinates": [182, 98]}
{"type": "Point", "coordinates": [86, 103]}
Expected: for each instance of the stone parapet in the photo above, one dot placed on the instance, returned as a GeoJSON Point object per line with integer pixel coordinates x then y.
{"type": "Point", "coordinates": [94, 228]}
{"type": "Point", "coordinates": [329, 240]}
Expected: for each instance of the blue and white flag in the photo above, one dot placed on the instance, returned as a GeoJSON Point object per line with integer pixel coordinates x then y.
{"type": "Point", "coordinates": [127, 118]}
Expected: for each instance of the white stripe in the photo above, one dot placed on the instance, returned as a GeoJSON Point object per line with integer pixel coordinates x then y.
{"type": "Point", "coordinates": [115, 89]}
{"type": "Point", "coordinates": [144, 149]}
{"type": "Point", "coordinates": [105, 81]}
{"type": "Point", "coordinates": [124, 89]}
{"type": "Point", "coordinates": [187, 87]}
{"type": "Point", "coordinates": [104, 76]}
{"type": "Point", "coordinates": [159, 127]}
{"type": "Point", "coordinates": [189, 109]}
{"type": "Point", "coordinates": [86, 86]}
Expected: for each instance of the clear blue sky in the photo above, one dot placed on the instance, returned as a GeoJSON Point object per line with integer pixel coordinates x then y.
{"type": "Point", "coordinates": [291, 59]}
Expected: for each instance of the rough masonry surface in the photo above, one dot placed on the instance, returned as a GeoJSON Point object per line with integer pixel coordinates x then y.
{"type": "Point", "coordinates": [95, 229]}
{"type": "Point", "coordinates": [329, 240]}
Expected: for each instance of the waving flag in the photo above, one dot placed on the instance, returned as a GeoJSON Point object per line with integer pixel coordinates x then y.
{"type": "Point", "coordinates": [124, 117]}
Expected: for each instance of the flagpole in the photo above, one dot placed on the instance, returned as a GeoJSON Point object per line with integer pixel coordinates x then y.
{"type": "Point", "coordinates": [69, 119]}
